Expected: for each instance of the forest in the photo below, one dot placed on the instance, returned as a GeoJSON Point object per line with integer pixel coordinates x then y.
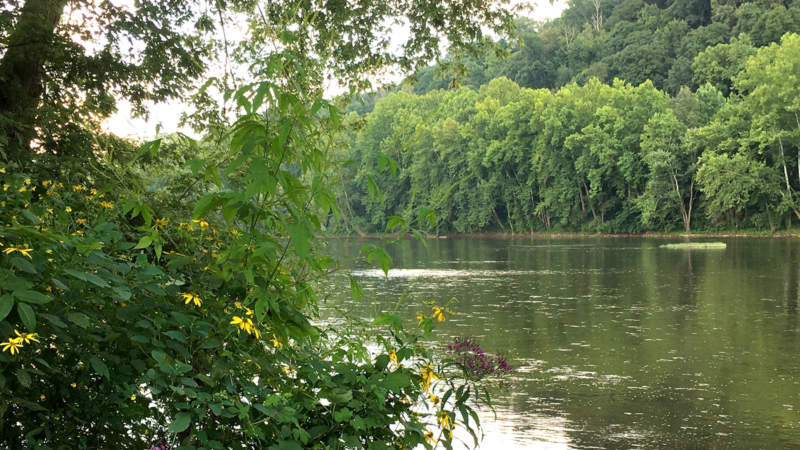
{"type": "Point", "coordinates": [618, 117]}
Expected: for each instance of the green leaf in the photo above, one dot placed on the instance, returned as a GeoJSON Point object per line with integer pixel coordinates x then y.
{"type": "Point", "coordinates": [204, 205]}
{"type": "Point", "coordinates": [181, 422]}
{"type": "Point", "coordinates": [27, 316]}
{"type": "Point", "coordinates": [394, 222]}
{"type": "Point", "coordinates": [6, 303]}
{"type": "Point", "coordinates": [24, 378]}
{"type": "Point", "coordinates": [23, 265]}
{"type": "Point", "coordinates": [90, 277]}
{"type": "Point", "coordinates": [392, 320]}
{"type": "Point", "coordinates": [80, 319]}
{"type": "Point", "coordinates": [340, 395]}
{"type": "Point", "coordinates": [99, 366]}
{"type": "Point", "coordinates": [301, 238]}
{"type": "Point", "coordinates": [144, 242]}
{"type": "Point", "coordinates": [37, 298]}
{"type": "Point", "coordinates": [395, 381]}
{"type": "Point", "coordinates": [355, 288]}
{"type": "Point", "coordinates": [342, 415]}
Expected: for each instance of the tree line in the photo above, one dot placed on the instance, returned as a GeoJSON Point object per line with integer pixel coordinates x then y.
{"type": "Point", "coordinates": [618, 157]}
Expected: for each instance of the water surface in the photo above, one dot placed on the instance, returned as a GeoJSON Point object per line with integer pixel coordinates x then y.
{"type": "Point", "coordinates": [617, 343]}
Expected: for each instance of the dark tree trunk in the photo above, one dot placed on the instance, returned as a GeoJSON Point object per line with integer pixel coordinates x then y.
{"type": "Point", "coordinates": [22, 71]}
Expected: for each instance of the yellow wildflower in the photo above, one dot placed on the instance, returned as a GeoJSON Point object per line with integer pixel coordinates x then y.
{"type": "Point", "coordinates": [420, 318]}
{"type": "Point", "coordinates": [434, 399]}
{"type": "Point", "coordinates": [438, 314]}
{"type": "Point", "coordinates": [275, 342]}
{"type": "Point", "coordinates": [22, 189]}
{"type": "Point", "coordinates": [160, 222]}
{"type": "Point", "coordinates": [427, 376]}
{"type": "Point", "coordinates": [445, 421]}
{"type": "Point", "coordinates": [189, 298]}
{"type": "Point", "coordinates": [185, 226]}
{"type": "Point", "coordinates": [27, 337]}
{"type": "Point", "coordinates": [68, 209]}
{"type": "Point", "coordinates": [2, 170]}
{"type": "Point", "coordinates": [429, 438]}
{"type": "Point", "coordinates": [5, 187]}
{"type": "Point", "coordinates": [203, 224]}
{"type": "Point", "coordinates": [246, 324]}
{"type": "Point", "coordinates": [42, 397]}
{"type": "Point", "coordinates": [46, 183]}
{"type": "Point", "coordinates": [93, 191]}
{"type": "Point", "coordinates": [392, 355]}
{"type": "Point", "coordinates": [80, 221]}
{"type": "Point", "coordinates": [133, 397]}
{"type": "Point", "coordinates": [25, 251]}
{"type": "Point", "coordinates": [77, 188]}
{"type": "Point", "coordinates": [107, 205]}
{"type": "Point", "coordinates": [12, 345]}
{"type": "Point", "coordinates": [28, 181]}
{"type": "Point", "coordinates": [74, 385]}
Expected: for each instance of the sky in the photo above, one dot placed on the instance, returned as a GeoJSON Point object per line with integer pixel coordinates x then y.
{"type": "Point", "coordinates": [167, 115]}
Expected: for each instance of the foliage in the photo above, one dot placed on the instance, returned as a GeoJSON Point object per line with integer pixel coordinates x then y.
{"type": "Point", "coordinates": [162, 296]}
{"type": "Point", "coordinates": [591, 157]}
{"type": "Point", "coordinates": [632, 40]}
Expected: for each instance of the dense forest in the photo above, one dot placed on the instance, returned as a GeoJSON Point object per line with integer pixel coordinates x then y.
{"type": "Point", "coordinates": [617, 117]}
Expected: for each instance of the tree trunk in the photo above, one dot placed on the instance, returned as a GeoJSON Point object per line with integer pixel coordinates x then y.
{"type": "Point", "coordinates": [22, 71]}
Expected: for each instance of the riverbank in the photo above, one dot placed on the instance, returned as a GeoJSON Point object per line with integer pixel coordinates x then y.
{"type": "Point", "coordinates": [579, 235]}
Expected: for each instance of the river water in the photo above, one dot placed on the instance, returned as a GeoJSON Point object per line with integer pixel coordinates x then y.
{"type": "Point", "coordinates": [616, 343]}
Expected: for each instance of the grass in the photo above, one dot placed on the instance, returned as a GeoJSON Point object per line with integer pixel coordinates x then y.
{"type": "Point", "coordinates": [695, 245]}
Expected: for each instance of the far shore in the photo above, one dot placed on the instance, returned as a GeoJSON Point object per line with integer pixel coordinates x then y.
{"type": "Point", "coordinates": [578, 235]}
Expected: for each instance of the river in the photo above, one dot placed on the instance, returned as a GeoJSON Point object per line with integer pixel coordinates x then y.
{"type": "Point", "coordinates": [615, 342]}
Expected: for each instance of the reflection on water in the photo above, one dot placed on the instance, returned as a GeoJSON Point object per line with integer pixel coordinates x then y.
{"type": "Point", "coordinates": [617, 343]}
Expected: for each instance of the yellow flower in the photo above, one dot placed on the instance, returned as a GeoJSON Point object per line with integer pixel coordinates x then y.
{"type": "Point", "coordinates": [5, 187]}
{"type": "Point", "coordinates": [77, 188]}
{"type": "Point", "coordinates": [445, 421]}
{"type": "Point", "coordinates": [247, 325]}
{"type": "Point", "coordinates": [438, 314]}
{"type": "Point", "coordinates": [435, 399]}
{"type": "Point", "coordinates": [429, 438]}
{"type": "Point", "coordinates": [28, 181]}
{"type": "Point", "coordinates": [420, 318]}
{"type": "Point", "coordinates": [203, 224]}
{"type": "Point", "coordinates": [160, 222]}
{"type": "Point", "coordinates": [25, 251]}
{"type": "Point", "coordinates": [275, 342]}
{"type": "Point", "coordinates": [68, 209]}
{"type": "Point", "coordinates": [74, 385]}
{"type": "Point", "coordinates": [189, 298]}
{"type": "Point", "coordinates": [133, 397]}
{"type": "Point", "coordinates": [78, 233]}
{"type": "Point", "coordinates": [42, 397]}
{"type": "Point", "coordinates": [46, 183]}
{"type": "Point", "coordinates": [392, 355]}
{"type": "Point", "coordinates": [93, 191]}
{"type": "Point", "coordinates": [427, 376]}
{"type": "Point", "coordinates": [12, 345]}
{"type": "Point", "coordinates": [27, 337]}
{"type": "Point", "coordinates": [2, 170]}
{"type": "Point", "coordinates": [107, 205]}
{"type": "Point", "coordinates": [185, 226]}
{"type": "Point", "coordinates": [80, 221]}
{"type": "Point", "coordinates": [22, 189]}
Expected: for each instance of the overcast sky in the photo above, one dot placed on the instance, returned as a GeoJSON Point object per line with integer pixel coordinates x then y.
{"type": "Point", "coordinates": [167, 115]}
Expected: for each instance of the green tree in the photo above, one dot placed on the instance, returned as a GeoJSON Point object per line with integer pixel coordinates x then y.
{"type": "Point", "coordinates": [672, 169]}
